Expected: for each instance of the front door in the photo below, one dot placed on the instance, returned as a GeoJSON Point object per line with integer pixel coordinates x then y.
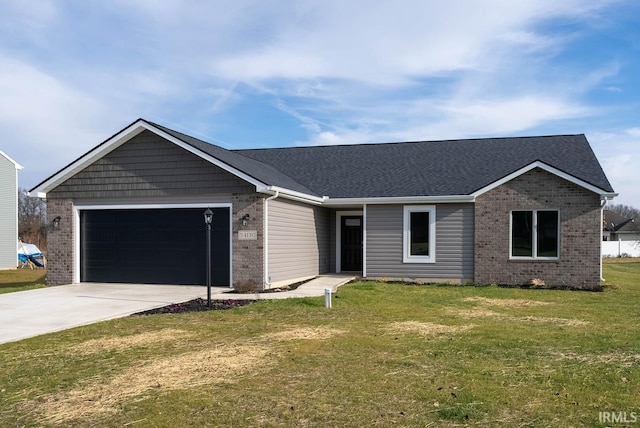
{"type": "Point", "coordinates": [351, 243]}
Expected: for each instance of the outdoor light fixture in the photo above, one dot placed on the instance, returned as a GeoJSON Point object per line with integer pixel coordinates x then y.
{"type": "Point", "coordinates": [208, 219]}
{"type": "Point", "coordinates": [56, 222]}
{"type": "Point", "coordinates": [208, 216]}
{"type": "Point", "coordinates": [245, 219]}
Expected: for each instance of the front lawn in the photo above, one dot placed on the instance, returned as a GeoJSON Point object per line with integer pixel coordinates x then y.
{"type": "Point", "coordinates": [21, 279]}
{"type": "Point", "coordinates": [384, 355]}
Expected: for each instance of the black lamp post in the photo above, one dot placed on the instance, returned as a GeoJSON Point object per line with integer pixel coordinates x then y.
{"type": "Point", "coordinates": [208, 219]}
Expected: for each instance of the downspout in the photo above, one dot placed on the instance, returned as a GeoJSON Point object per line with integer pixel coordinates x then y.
{"type": "Point", "coordinates": [267, 280]}
{"type": "Point", "coordinates": [364, 240]}
{"type": "Point", "coordinates": [602, 204]}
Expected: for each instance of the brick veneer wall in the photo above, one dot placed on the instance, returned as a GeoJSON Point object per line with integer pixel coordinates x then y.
{"type": "Point", "coordinates": [60, 242]}
{"type": "Point", "coordinates": [248, 256]}
{"type": "Point", "coordinates": [578, 265]}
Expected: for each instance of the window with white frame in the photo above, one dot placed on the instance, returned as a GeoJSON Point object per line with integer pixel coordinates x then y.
{"type": "Point", "coordinates": [419, 234]}
{"type": "Point", "coordinates": [535, 234]}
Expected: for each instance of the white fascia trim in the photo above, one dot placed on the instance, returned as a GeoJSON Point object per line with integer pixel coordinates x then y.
{"type": "Point", "coordinates": [401, 200]}
{"type": "Point", "coordinates": [121, 138]}
{"type": "Point", "coordinates": [16, 164]}
{"type": "Point", "coordinates": [292, 194]}
{"type": "Point", "coordinates": [79, 207]}
{"type": "Point", "coordinates": [550, 169]}
{"type": "Point", "coordinates": [90, 157]}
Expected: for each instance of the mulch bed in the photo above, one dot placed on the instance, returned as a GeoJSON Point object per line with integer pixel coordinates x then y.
{"type": "Point", "coordinates": [197, 305]}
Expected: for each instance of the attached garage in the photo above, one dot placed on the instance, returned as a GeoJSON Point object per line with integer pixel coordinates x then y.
{"type": "Point", "coordinates": [153, 245]}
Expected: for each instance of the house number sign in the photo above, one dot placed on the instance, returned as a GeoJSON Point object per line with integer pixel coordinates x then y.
{"type": "Point", "coordinates": [248, 235]}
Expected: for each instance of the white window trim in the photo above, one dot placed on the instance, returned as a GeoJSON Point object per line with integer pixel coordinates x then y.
{"type": "Point", "coordinates": [406, 238]}
{"type": "Point", "coordinates": [534, 249]}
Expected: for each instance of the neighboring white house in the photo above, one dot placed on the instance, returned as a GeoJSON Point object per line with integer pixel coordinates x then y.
{"type": "Point", "coordinates": [8, 211]}
{"type": "Point", "coordinates": [621, 235]}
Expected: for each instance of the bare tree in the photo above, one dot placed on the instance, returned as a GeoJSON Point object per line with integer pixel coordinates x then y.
{"type": "Point", "coordinates": [626, 211]}
{"type": "Point", "coordinates": [32, 214]}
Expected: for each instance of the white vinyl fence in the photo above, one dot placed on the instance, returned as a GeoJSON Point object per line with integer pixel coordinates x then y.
{"type": "Point", "coordinates": [620, 248]}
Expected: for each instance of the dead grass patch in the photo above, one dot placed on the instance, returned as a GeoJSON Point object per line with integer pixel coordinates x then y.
{"type": "Point", "coordinates": [100, 398]}
{"type": "Point", "coordinates": [487, 313]}
{"type": "Point", "coordinates": [474, 313]}
{"type": "Point", "coordinates": [625, 360]}
{"type": "Point", "coordinates": [306, 333]}
{"type": "Point", "coordinates": [94, 346]}
{"type": "Point", "coordinates": [567, 322]}
{"type": "Point", "coordinates": [426, 328]}
{"type": "Point", "coordinates": [506, 303]}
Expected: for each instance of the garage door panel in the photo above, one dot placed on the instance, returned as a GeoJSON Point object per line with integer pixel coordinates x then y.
{"type": "Point", "coordinates": [153, 246]}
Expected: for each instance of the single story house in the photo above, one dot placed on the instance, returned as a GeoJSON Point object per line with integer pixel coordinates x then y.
{"type": "Point", "coordinates": [8, 211]}
{"type": "Point", "coordinates": [616, 227]}
{"type": "Point", "coordinates": [494, 210]}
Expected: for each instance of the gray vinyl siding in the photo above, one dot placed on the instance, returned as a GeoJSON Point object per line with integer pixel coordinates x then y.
{"type": "Point", "coordinates": [454, 243]}
{"type": "Point", "coordinates": [298, 240]}
{"type": "Point", "coordinates": [149, 166]}
{"type": "Point", "coordinates": [8, 214]}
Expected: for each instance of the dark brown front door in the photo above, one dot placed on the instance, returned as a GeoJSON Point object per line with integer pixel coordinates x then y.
{"type": "Point", "coordinates": [351, 243]}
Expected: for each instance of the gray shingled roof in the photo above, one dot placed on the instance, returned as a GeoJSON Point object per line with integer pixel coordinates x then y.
{"type": "Point", "coordinates": [614, 222]}
{"type": "Point", "coordinates": [430, 168]}
{"type": "Point", "coordinates": [261, 171]}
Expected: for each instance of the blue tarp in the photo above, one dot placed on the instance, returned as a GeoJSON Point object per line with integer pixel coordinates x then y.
{"type": "Point", "coordinates": [30, 252]}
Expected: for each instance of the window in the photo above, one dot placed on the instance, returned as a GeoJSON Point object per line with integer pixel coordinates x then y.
{"type": "Point", "coordinates": [419, 237]}
{"type": "Point", "coordinates": [535, 234]}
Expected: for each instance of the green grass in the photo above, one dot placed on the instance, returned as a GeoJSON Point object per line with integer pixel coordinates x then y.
{"type": "Point", "coordinates": [384, 355]}
{"type": "Point", "coordinates": [21, 279]}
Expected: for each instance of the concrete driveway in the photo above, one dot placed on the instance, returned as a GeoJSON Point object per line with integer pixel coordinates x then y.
{"type": "Point", "coordinates": [34, 312]}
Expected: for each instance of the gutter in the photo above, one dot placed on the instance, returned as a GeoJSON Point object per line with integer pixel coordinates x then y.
{"type": "Point", "coordinates": [267, 279]}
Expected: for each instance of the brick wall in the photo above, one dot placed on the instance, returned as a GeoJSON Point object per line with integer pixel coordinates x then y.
{"type": "Point", "coordinates": [60, 242]}
{"type": "Point", "coordinates": [248, 256]}
{"type": "Point", "coordinates": [578, 265]}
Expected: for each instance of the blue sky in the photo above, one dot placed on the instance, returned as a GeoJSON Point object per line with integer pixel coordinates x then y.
{"type": "Point", "coordinates": [273, 73]}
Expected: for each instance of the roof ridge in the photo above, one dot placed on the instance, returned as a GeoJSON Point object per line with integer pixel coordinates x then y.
{"type": "Point", "coordinates": [411, 142]}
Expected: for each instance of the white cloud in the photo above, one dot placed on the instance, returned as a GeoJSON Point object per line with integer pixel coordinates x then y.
{"type": "Point", "coordinates": [619, 153]}
{"type": "Point", "coordinates": [46, 121]}
{"type": "Point", "coordinates": [348, 72]}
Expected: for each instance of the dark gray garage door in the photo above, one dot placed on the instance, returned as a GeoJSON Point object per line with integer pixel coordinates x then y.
{"type": "Point", "coordinates": [153, 246]}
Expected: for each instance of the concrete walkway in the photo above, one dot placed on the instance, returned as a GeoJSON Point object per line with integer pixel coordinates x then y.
{"type": "Point", "coordinates": [46, 310]}
{"type": "Point", "coordinates": [313, 288]}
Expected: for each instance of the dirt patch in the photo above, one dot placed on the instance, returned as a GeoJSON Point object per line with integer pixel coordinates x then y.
{"type": "Point", "coordinates": [426, 328]}
{"type": "Point", "coordinates": [506, 303]}
{"type": "Point", "coordinates": [99, 398]}
{"type": "Point", "coordinates": [94, 346]}
{"type": "Point", "coordinates": [625, 360]}
{"type": "Point", "coordinates": [306, 333]}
